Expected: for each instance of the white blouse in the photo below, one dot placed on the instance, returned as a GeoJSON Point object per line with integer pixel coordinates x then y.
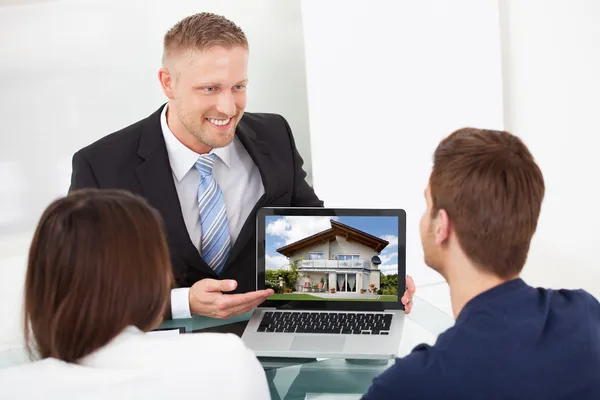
{"type": "Point", "coordinates": [136, 365]}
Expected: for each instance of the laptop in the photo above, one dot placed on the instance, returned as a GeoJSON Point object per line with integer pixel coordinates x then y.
{"type": "Point", "coordinates": [338, 276]}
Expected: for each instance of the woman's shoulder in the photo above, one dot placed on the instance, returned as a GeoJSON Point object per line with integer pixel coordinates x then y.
{"type": "Point", "coordinates": [49, 377]}
{"type": "Point", "coordinates": [222, 359]}
{"type": "Point", "coordinates": [157, 364]}
{"type": "Point", "coordinates": [224, 350]}
{"type": "Point", "coordinates": [135, 349]}
{"type": "Point", "coordinates": [224, 344]}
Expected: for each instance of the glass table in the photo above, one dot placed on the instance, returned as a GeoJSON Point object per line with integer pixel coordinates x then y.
{"type": "Point", "coordinates": [314, 378]}
{"type": "Point", "coordinates": [291, 379]}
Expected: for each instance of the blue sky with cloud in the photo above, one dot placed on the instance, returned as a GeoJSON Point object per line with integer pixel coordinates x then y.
{"type": "Point", "coordinates": [281, 231]}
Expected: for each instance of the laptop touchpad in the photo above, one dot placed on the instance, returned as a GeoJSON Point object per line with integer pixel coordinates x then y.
{"type": "Point", "coordinates": [318, 343]}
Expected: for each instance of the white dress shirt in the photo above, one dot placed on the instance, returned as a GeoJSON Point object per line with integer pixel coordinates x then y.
{"type": "Point", "coordinates": [239, 180]}
{"type": "Point", "coordinates": [139, 366]}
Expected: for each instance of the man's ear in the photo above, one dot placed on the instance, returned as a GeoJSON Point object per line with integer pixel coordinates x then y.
{"type": "Point", "coordinates": [166, 82]}
{"type": "Point", "coordinates": [442, 227]}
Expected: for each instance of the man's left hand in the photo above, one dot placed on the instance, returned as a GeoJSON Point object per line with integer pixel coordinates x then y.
{"type": "Point", "coordinates": [408, 294]}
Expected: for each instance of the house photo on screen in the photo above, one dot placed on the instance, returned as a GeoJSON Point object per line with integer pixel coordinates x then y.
{"type": "Point", "coordinates": [332, 258]}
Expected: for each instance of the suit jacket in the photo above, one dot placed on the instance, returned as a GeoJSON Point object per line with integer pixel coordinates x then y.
{"type": "Point", "coordinates": [139, 366]}
{"type": "Point", "coordinates": [135, 159]}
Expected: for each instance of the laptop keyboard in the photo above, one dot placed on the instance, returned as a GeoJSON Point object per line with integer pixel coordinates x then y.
{"type": "Point", "coordinates": [324, 322]}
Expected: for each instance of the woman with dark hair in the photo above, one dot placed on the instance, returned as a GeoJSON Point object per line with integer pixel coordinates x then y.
{"type": "Point", "coordinates": [98, 278]}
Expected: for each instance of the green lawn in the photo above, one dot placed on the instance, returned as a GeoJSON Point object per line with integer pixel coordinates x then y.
{"type": "Point", "coordinates": [388, 297]}
{"type": "Point", "coordinates": [301, 296]}
{"type": "Point", "coordinates": [290, 296]}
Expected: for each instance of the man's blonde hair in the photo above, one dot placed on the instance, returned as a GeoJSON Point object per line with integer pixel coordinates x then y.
{"type": "Point", "coordinates": [200, 32]}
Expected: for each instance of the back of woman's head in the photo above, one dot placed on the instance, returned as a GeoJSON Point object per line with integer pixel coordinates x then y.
{"type": "Point", "coordinates": [98, 263]}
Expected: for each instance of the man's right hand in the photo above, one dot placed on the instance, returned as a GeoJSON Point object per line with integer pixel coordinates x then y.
{"type": "Point", "coordinates": [206, 298]}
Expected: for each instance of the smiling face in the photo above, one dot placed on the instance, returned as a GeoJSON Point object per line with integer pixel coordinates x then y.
{"type": "Point", "coordinates": [207, 95]}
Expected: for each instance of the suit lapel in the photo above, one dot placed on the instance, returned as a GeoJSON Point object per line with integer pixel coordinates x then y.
{"type": "Point", "coordinates": [157, 184]}
{"type": "Point", "coordinates": [259, 152]}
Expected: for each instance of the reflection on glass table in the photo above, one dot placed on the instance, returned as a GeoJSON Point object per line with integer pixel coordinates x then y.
{"type": "Point", "coordinates": [330, 378]}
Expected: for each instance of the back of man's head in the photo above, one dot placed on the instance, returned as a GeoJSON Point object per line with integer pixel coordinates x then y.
{"type": "Point", "coordinates": [492, 190]}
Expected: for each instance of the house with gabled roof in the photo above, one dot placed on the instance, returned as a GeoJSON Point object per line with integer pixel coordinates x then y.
{"type": "Point", "coordinates": [342, 258]}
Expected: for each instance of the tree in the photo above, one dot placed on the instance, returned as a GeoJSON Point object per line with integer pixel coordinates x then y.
{"type": "Point", "coordinates": [290, 276]}
{"type": "Point", "coordinates": [389, 284]}
{"type": "Point", "coordinates": [272, 279]}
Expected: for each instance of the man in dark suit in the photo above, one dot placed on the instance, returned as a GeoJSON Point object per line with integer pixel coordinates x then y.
{"type": "Point", "coordinates": [206, 166]}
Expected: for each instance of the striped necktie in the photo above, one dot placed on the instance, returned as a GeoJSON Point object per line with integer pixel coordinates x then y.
{"type": "Point", "coordinates": [215, 242]}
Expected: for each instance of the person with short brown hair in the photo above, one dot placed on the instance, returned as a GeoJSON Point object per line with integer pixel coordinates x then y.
{"type": "Point", "coordinates": [200, 32]}
{"type": "Point", "coordinates": [510, 340]}
{"type": "Point", "coordinates": [98, 278]}
{"type": "Point", "coordinates": [207, 166]}
{"type": "Point", "coordinates": [490, 185]}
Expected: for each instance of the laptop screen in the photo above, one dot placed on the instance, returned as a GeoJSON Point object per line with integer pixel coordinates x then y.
{"type": "Point", "coordinates": [332, 257]}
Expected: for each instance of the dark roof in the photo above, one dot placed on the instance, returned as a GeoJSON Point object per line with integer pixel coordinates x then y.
{"type": "Point", "coordinates": [337, 229]}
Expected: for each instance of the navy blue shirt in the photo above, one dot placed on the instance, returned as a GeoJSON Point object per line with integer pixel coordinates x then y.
{"type": "Point", "coordinates": [510, 342]}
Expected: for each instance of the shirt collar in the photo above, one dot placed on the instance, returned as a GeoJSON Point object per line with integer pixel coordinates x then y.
{"type": "Point", "coordinates": [181, 158]}
{"type": "Point", "coordinates": [484, 298]}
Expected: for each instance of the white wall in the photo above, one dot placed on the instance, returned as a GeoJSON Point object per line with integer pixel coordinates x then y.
{"type": "Point", "coordinates": [74, 71]}
{"type": "Point", "coordinates": [318, 247]}
{"type": "Point", "coordinates": [551, 57]}
{"type": "Point", "coordinates": [386, 81]}
{"type": "Point", "coordinates": [350, 247]}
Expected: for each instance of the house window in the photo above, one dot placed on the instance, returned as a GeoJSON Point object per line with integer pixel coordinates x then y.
{"type": "Point", "coordinates": [348, 257]}
{"type": "Point", "coordinates": [316, 255]}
